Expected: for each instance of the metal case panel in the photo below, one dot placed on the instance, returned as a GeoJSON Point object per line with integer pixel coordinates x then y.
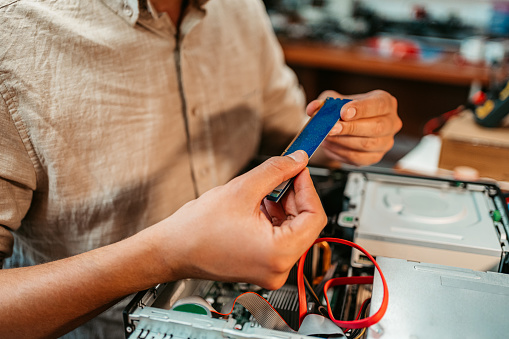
{"type": "Point", "coordinates": [436, 301]}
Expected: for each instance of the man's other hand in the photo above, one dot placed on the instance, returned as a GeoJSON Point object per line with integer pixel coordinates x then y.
{"type": "Point", "coordinates": [366, 131]}
{"type": "Point", "coordinates": [232, 233]}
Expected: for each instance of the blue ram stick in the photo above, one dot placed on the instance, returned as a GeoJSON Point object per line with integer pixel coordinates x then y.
{"type": "Point", "coordinates": [311, 136]}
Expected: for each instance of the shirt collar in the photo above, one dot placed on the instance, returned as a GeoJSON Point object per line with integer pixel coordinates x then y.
{"type": "Point", "coordinates": [129, 10]}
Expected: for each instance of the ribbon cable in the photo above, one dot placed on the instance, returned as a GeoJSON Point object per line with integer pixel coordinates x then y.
{"type": "Point", "coordinates": [268, 317]}
{"type": "Point", "coordinates": [261, 310]}
{"type": "Point", "coordinates": [362, 323]}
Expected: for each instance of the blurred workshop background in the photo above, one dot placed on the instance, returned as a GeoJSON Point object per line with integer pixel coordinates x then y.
{"type": "Point", "coordinates": [437, 57]}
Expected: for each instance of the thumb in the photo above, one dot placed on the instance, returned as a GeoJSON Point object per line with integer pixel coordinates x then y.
{"type": "Point", "coordinates": [313, 107]}
{"type": "Point", "coordinates": [263, 179]}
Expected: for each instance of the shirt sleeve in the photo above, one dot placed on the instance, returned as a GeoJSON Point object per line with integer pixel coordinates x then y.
{"type": "Point", "coordinates": [17, 174]}
{"type": "Point", "coordinates": [284, 99]}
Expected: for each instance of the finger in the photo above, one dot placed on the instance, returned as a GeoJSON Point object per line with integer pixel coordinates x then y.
{"type": "Point", "coordinates": [261, 180]}
{"type": "Point", "coordinates": [310, 217]}
{"type": "Point", "coordinates": [264, 210]}
{"type": "Point", "coordinates": [306, 197]}
{"type": "Point", "coordinates": [368, 105]}
{"type": "Point", "coordinates": [353, 157]}
{"type": "Point", "coordinates": [372, 127]}
{"type": "Point", "coordinates": [275, 211]}
{"type": "Point", "coordinates": [313, 107]}
{"type": "Point", "coordinates": [363, 144]}
{"type": "Point", "coordinates": [329, 93]}
{"type": "Point", "coordinates": [288, 203]}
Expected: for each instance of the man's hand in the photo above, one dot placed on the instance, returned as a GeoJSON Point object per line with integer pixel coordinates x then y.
{"type": "Point", "coordinates": [232, 233]}
{"type": "Point", "coordinates": [367, 129]}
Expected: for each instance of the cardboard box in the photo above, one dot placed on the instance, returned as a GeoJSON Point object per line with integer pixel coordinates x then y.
{"type": "Point", "coordinates": [465, 143]}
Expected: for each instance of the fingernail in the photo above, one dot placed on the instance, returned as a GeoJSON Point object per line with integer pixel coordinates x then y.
{"type": "Point", "coordinates": [350, 113]}
{"type": "Point", "coordinates": [299, 156]}
{"type": "Point", "coordinates": [336, 129]}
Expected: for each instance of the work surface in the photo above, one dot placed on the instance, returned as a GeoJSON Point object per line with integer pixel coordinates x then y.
{"type": "Point", "coordinates": [356, 58]}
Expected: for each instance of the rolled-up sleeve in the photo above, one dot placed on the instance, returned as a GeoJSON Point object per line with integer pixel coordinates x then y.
{"type": "Point", "coordinates": [17, 173]}
{"type": "Point", "coordinates": [284, 99]}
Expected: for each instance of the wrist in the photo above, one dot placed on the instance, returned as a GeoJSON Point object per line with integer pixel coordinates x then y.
{"type": "Point", "coordinates": [162, 249]}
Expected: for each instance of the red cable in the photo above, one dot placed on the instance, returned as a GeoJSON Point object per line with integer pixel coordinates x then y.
{"type": "Point", "coordinates": [360, 309]}
{"type": "Point", "coordinates": [366, 322]}
{"type": "Point", "coordinates": [358, 314]}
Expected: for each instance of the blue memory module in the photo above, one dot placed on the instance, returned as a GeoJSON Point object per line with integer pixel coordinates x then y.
{"type": "Point", "coordinates": [312, 136]}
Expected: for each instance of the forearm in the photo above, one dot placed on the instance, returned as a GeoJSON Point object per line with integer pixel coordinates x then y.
{"type": "Point", "coordinates": [206, 238]}
{"type": "Point", "coordinates": [68, 292]}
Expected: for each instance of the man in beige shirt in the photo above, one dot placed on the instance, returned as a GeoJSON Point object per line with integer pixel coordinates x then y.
{"type": "Point", "coordinates": [113, 115]}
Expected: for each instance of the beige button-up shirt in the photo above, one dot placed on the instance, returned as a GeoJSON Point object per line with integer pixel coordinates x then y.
{"type": "Point", "coordinates": [111, 119]}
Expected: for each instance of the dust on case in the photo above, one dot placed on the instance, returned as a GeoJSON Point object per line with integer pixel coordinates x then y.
{"type": "Point", "coordinates": [311, 137]}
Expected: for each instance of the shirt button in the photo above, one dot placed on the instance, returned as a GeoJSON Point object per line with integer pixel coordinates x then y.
{"type": "Point", "coordinates": [128, 10]}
